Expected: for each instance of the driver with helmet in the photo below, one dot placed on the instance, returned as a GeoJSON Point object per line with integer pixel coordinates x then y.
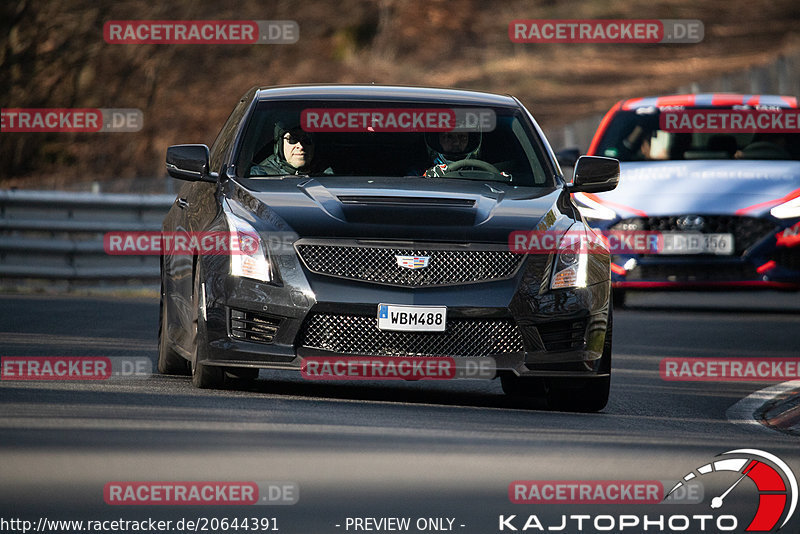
{"type": "Point", "coordinates": [445, 148]}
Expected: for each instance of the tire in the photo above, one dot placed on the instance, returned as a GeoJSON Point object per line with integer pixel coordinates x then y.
{"type": "Point", "coordinates": [618, 296]}
{"type": "Point", "coordinates": [203, 376]}
{"type": "Point", "coordinates": [523, 386]}
{"type": "Point", "coordinates": [582, 395]}
{"type": "Point", "coordinates": [568, 394]}
{"type": "Point", "coordinates": [244, 374]}
{"type": "Point", "coordinates": [169, 361]}
{"type": "Point", "coordinates": [585, 394]}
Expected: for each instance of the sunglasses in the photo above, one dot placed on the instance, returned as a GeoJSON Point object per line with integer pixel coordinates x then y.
{"type": "Point", "coordinates": [294, 139]}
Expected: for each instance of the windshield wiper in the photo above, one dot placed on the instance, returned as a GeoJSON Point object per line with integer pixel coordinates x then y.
{"type": "Point", "coordinates": [456, 175]}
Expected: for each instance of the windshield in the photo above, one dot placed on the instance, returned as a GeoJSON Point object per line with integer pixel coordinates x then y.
{"type": "Point", "coordinates": [285, 138]}
{"type": "Point", "coordinates": [635, 135]}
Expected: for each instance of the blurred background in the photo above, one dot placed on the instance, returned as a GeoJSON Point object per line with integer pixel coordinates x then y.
{"type": "Point", "coordinates": [52, 54]}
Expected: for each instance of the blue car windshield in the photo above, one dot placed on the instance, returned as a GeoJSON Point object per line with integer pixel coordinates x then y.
{"type": "Point", "coordinates": [388, 139]}
{"type": "Point", "coordinates": [636, 135]}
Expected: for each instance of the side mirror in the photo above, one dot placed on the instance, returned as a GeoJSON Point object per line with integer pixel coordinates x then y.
{"type": "Point", "coordinates": [568, 156]}
{"type": "Point", "coordinates": [595, 174]}
{"type": "Point", "coordinates": [189, 162]}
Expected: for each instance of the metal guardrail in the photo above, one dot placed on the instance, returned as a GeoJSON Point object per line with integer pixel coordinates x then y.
{"type": "Point", "coordinates": [59, 236]}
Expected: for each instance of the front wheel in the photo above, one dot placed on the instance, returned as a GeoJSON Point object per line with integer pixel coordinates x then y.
{"type": "Point", "coordinates": [203, 375]}
{"type": "Point", "coordinates": [589, 394]}
{"type": "Point", "coordinates": [244, 374]}
{"type": "Point", "coordinates": [523, 386]}
{"type": "Point", "coordinates": [585, 394]}
{"type": "Point", "coordinates": [582, 395]}
{"type": "Point", "coordinates": [618, 297]}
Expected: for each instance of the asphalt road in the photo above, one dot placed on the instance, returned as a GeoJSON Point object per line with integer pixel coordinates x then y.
{"type": "Point", "coordinates": [389, 449]}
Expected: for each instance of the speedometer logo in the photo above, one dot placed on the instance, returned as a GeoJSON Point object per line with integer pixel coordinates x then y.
{"type": "Point", "coordinates": [774, 480]}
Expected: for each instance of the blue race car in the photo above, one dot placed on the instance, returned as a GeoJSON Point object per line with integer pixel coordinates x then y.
{"type": "Point", "coordinates": [716, 183]}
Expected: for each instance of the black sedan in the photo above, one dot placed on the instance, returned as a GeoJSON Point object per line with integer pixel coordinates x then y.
{"type": "Point", "coordinates": [383, 222]}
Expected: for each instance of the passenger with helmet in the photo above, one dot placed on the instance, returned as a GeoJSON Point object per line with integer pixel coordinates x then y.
{"type": "Point", "coordinates": [293, 153]}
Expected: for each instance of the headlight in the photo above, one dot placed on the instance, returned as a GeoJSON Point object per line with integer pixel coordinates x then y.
{"type": "Point", "coordinates": [571, 261]}
{"type": "Point", "coordinates": [787, 210]}
{"type": "Point", "coordinates": [250, 260]}
{"type": "Point", "coordinates": [592, 209]}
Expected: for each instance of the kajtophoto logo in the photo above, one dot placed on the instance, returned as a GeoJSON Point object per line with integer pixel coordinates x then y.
{"type": "Point", "coordinates": [770, 494]}
{"type": "Point", "coordinates": [775, 483]}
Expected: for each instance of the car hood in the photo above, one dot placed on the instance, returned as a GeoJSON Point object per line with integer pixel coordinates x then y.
{"type": "Point", "coordinates": [411, 208]}
{"type": "Point", "coordinates": [702, 186]}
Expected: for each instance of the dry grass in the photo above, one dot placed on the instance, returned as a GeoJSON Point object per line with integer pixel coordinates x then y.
{"type": "Point", "coordinates": [54, 56]}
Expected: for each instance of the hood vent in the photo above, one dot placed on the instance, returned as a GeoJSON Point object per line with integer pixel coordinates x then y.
{"type": "Point", "coordinates": [376, 200]}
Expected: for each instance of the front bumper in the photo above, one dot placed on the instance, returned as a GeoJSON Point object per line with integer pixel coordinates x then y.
{"type": "Point", "coordinates": [527, 331]}
{"type": "Point", "coordinates": [766, 255]}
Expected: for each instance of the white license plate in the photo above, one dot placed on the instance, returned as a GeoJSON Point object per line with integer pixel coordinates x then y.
{"type": "Point", "coordinates": [695, 243]}
{"type": "Point", "coordinates": [414, 318]}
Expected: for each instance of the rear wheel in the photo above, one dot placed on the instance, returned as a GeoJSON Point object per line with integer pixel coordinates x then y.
{"type": "Point", "coordinates": [203, 375]}
{"type": "Point", "coordinates": [169, 361]}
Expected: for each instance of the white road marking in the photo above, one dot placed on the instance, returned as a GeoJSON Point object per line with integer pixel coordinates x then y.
{"type": "Point", "coordinates": [743, 412]}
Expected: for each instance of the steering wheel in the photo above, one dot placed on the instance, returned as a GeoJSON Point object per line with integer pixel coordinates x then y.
{"type": "Point", "coordinates": [764, 150]}
{"type": "Point", "coordinates": [474, 163]}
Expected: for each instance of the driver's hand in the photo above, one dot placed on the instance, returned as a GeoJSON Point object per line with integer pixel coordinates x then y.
{"type": "Point", "coordinates": [437, 171]}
